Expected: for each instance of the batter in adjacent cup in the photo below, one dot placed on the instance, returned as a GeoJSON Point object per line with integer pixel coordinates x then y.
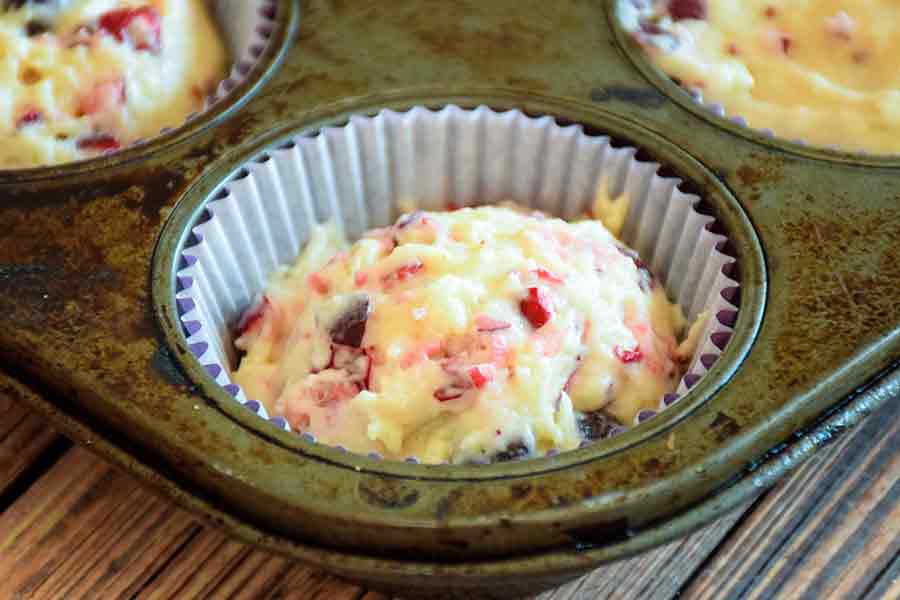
{"type": "Point", "coordinates": [80, 78]}
{"type": "Point", "coordinates": [821, 71]}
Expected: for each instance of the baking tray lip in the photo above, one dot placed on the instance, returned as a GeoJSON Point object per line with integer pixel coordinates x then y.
{"type": "Point", "coordinates": [659, 80]}
{"type": "Point", "coordinates": [268, 63]}
{"type": "Point", "coordinates": [750, 482]}
{"type": "Point", "coordinates": [165, 264]}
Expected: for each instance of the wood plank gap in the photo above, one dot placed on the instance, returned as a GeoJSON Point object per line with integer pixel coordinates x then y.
{"type": "Point", "coordinates": [168, 562]}
{"type": "Point", "coordinates": [280, 578]}
{"type": "Point", "coordinates": [209, 559]}
{"type": "Point", "coordinates": [37, 469]}
{"type": "Point", "coordinates": [886, 583]}
{"type": "Point", "coordinates": [808, 538]}
{"type": "Point", "coordinates": [812, 516]}
{"type": "Point", "coordinates": [9, 423]}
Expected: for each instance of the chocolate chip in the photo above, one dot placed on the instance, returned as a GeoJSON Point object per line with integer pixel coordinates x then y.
{"type": "Point", "coordinates": [514, 451]}
{"type": "Point", "coordinates": [595, 425]}
{"type": "Point", "coordinates": [17, 4]}
{"type": "Point", "coordinates": [35, 28]}
{"type": "Point", "coordinates": [350, 327]}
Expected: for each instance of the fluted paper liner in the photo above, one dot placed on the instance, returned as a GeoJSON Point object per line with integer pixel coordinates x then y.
{"type": "Point", "coordinates": [246, 26]}
{"type": "Point", "coordinates": [360, 174]}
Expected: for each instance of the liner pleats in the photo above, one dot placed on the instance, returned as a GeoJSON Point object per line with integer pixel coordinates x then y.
{"type": "Point", "coordinates": [366, 173]}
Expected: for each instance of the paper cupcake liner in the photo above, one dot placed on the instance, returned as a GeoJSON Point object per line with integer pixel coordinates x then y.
{"type": "Point", "coordinates": [247, 28]}
{"type": "Point", "coordinates": [719, 110]}
{"type": "Point", "coordinates": [360, 174]}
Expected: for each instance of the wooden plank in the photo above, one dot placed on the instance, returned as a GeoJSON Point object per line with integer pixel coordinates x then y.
{"type": "Point", "coordinates": [198, 568]}
{"type": "Point", "coordinates": [24, 436]}
{"type": "Point", "coordinates": [888, 583]}
{"type": "Point", "coordinates": [829, 531]}
{"type": "Point", "coordinates": [85, 530]}
{"type": "Point", "coordinates": [211, 566]}
{"type": "Point", "coordinates": [656, 575]}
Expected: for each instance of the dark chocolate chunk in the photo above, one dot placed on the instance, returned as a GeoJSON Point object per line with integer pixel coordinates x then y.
{"type": "Point", "coordinates": [17, 4]}
{"type": "Point", "coordinates": [350, 327]}
{"type": "Point", "coordinates": [514, 451]}
{"type": "Point", "coordinates": [34, 28]}
{"type": "Point", "coordinates": [596, 425]}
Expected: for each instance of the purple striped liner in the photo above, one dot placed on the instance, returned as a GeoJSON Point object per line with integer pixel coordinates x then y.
{"type": "Point", "coordinates": [247, 27]}
{"type": "Point", "coordinates": [260, 218]}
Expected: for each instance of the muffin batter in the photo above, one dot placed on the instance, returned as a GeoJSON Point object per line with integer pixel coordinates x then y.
{"type": "Point", "coordinates": [822, 71]}
{"type": "Point", "coordinates": [84, 77]}
{"type": "Point", "coordinates": [473, 335]}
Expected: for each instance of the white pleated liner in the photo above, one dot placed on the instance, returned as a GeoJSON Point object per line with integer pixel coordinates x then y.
{"type": "Point", "coordinates": [247, 26]}
{"type": "Point", "coordinates": [359, 174]}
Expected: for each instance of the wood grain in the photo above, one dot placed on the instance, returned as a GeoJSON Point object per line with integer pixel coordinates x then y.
{"type": "Point", "coordinates": [84, 530]}
{"type": "Point", "coordinates": [831, 530]}
{"type": "Point", "coordinates": [24, 436]}
{"type": "Point", "coordinates": [211, 566]}
{"type": "Point", "coordinates": [81, 529]}
{"type": "Point", "coordinates": [656, 575]}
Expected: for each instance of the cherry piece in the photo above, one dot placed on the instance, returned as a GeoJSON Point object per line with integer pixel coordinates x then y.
{"type": "Point", "coordinates": [253, 317]}
{"type": "Point", "coordinates": [318, 283]}
{"type": "Point", "coordinates": [687, 9]}
{"type": "Point", "coordinates": [142, 25]}
{"type": "Point", "coordinates": [486, 324]}
{"type": "Point", "coordinates": [105, 96]}
{"type": "Point", "coordinates": [546, 275]}
{"type": "Point", "coordinates": [98, 142]}
{"type": "Point", "coordinates": [449, 392]}
{"type": "Point", "coordinates": [536, 307]}
{"type": "Point", "coordinates": [403, 273]}
{"type": "Point", "coordinates": [481, 375]}
{"type": "Point", "coordinates": [628, 356]}
{"type": "Point", "coordinates": [786, 43]}
{"type": "Point", "coordinates": [29, 117]}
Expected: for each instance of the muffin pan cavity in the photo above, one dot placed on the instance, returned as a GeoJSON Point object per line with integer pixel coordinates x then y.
{"type": "Point", "coordinates": [360, 172]}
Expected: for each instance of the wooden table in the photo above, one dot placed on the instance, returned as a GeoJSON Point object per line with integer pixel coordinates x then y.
{"type": "Point", "coordinates": [72, 526]}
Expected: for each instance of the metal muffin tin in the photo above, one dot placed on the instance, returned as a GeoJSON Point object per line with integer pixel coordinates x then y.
{"type": "Point", "coordinates": [86, 277]}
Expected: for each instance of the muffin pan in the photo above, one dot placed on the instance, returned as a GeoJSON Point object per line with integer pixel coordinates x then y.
{"type": "Point", "coordinates": [87, 275]}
